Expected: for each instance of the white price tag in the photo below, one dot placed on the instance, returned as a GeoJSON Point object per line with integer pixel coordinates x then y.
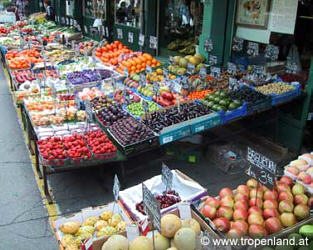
{"type": "Point", "coordinates": [141, 40]}
{"type": "Point", "coordinates": [119, 33]}
{"type": "Point", "coordinates": [153, 42]}
{"type": "Point", "coordinates": [85, 29]}
{"type": "Point", "coordinates": [184, 210]}
{"type": "Point", "coordinates": [132, 232]}
{"type": "Point", "coordinates": [130, 37]}
{"type": "Point", "coordinates": [167, 139]}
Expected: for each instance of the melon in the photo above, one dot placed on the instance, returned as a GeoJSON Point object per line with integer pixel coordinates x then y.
{"type": "Point", "coordinates": [177, 59]}
{"type": "Point", "coordinates": [185, 239]}
{"type": "Point", "coordinates": [141, 243]}
{"type": "Point", "coordinates": [194, 60]}
{"type": "Point", "coordinates": [183, 63]}
{"type": "Point", "coordinates": [116, 242]}
{"type": "Point", "coordinates": [170, 223]}
{"type": "Point", "coordinates": [188, 57]}
{"type": "Point", "coordinates": [161, 243]}
{"type": "Point", "coordinates": [193, 224]}
{"type": "Point", "coordinates": [200, 57]}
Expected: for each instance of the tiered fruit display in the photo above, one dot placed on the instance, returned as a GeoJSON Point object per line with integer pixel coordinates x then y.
{"type": "Point", "coordinates": [129, 131]}
{"type": "Point", "coordinates": [107, 224]}
{"type": "Point", "coordinates": [256, 211]}
{"type": "Point", "coordinates": [101, 102]}
{"type": "Point", "coordinates": [111, 114]}
{"type": "Point", "coordinates": [52, 150]}
{"type": "Point", "coordinates": [32, 56]}
{"type": "Point", "coordinates": [220, 101]}
{"type": "Point", "coordinates": [88, 75]}
{"type": "Point", "coordinates": [167, 199]}
{"type": "Point", "coordinates": [181, 64]}
{"type": "Point", "coordinates": [76, 148]}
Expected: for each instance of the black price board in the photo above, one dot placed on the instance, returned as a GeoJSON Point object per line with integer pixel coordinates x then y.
{"type": "Point", "coordinates": [167, 177]}
{"type": "Point", "coordinates": [153, 42]}
{"type": "Point", "coordinates": [261, 168]}
{"type": "Point", "coordinates": [212, 60]}
{"type": "Point", "coordinates": [190, 68]}
{"type": "Point", "coordinates": [231, 68]}
{"type": "Point", "coordinates": [237, 44]}
{"type": "Point", "coordinates": [184, 82]}
{"type": "Point", "coordinates": [253, 49]}
{"type": "Point", "coordinates": [208, 45]}
{"type": "Point", "coordinates": [233, 83]}
{"type": "Point", "coordinates": [152, 207]}
{"type": "Point", "coordinates": [116, 187]}
{"type": "Point", "coordinates": [215, 72]}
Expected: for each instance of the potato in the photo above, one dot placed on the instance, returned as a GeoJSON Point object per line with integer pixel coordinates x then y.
{"type": "Point", "coordinates": [67, 240]}
{"type": "Point", "coordinates": [106, 215]}
{"type": "Point", "coordinates": [70, 227]}
{"type": "Point", "coordinates": [100, 224]}
{"type": "Point", "coordinates": [90, 221]}
{"type": "Point", "coordinates": [84, 230]}
{"type": "Point", "coordinates": [73, 247]}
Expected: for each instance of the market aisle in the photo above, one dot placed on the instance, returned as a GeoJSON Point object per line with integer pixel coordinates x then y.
{"type": "Point", "coordinates": [24, 221]}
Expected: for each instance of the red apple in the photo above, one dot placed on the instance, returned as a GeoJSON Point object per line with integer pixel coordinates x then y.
{"type": "Point", "coordinates": [285, 196]}
{"type": "Point", "coordinates": [240, 214]}
{"type": "Point", "coordinates": [241, 205]}
{"type": "Point", "coordinates": [252, 183]}
{"type": "Point", "coordinates": [307, 179]}
{"type": "Point", "coordinates": [301, 199]}
{"type": "Point", "coordinates": [241, 225]}
{"type": "Point", "coordinates": [222, 224]}
{"type": "Point", "coordinates": [225, 212]}
{"type": "Point", "coordinates": [225, 192]}
{"type": "Point", "coordinates": [256, 202]}
{"type": "Point", "coordinates": [235, 233]}
{"type": "Point", "coordinates": [282, 187]}
{"type": "Point", "coordinates": [302, 211]}
{"type": "Point", "coordinates": [270, 204]}
{"type": "Point", "coordinates": [286, 180]}
{"type": "Point", "coordinates": [209, 212]}
{"type": "Point", "coordinates": [273, 225]}
{"type": "Point", "coordinates": [240, 196]}
{"type": "Point", "coordinates": [243, 189]}
{"type": "Point", "coordinates": [285, 206]}
{"type": "Point", "coordinates": [270, 195]}
{"type": "Point", "coordinates": [310, 202]}
{"type": "Point", "coordinates": [254, 209]}
{"type": "Point", "coordinates": [256, 193]}
{"type": "Point", "coordinates": [255, 218]}
{"type": "Point", "coordinates": [227, 201]}
{"type": "Point", "coordinates": [268, 213]}
{"type": "Point", "coordinates": [257, 231]}
{"type": "Point", "coordinates": [213, 202]}
{"type": "Point", "coordinates": [288, 219]}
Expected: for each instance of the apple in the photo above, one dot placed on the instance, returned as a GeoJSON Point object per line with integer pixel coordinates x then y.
{"type": "Point", "coordinates": [297, 189]}
{"type": "Point", "coordinates": [221, 224]}
{"type": "Point", "coordinates": [282, 187]}
{"type": "Point", "coordinates": [235, 233]}
{"type": "Point", "coordinates": [209, 212]}
{"type": "Point", "coordinates": [286, 180]}
{"type": "Point", "coordinates": [225, 212]}
{"type": "Point", "coordinates": [243, 189]}
{"type": "Point", "coordinates": [225, 192]}
{"type": "Point", "coordinates": [285, 196]}
{"type": "Point", "coordinates": [240, 214]}
{"type": "Point", "coordinates": [256, 193]}
{"type": "Point", "coordinates": [241, 205]}
{"type": "Point", "coordinates": [252, 183]}
{"type": "Point", "coordinates": [256, 202]}
{"type": "Point", "coordinates": [273, 225]}
{"type": "Point", "coordinates": [285, 206]}
{"type": "Point", "coordinates": [268, 213]}
{"type": "Point", "coordinates": [213, 202]}
{"type": "Point", "coordinates": [257, 231]}
{"type": "Point", "coordinates": [293, 170]}
{"type": "Point", "coordinates": [307, 179]}
{"type": "Point", "coordinates": [227, 201]}
{"type": "Point", "coordinates": [270, 204]}
{"type": "Point", "coordinates": [301, 199]}
{"type": "Point", "coordinates": [241, 225]}
{"type": "Point", "coordinates": [255, 218]}
{"type": "Point", "coordinates": [270, 195]}
{"type": "Point", "coordinates": [254, 209]}
{"type": "Point", "coordinates": [302, 211]}
{"type": "Point", "coordinates": [288, 219]}
{"type": "Point", "coordinates": [240, 196]}
{"type": "Point", "coordinates": [310, 202]}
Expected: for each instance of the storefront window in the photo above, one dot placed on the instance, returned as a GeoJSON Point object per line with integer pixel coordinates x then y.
{"type": "Point", "coordinates": [127, 12]}
{"type": "Point", "coordinates": [95, 8]}
{"type": "Point", "coordinates": [181, 25]}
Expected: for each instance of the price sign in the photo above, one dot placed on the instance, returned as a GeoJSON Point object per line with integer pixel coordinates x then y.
{"type": "Point", "coordinates": [73, 44]}
{"type": "Point", "coordinates": [208, 45]}
{"type": "Point", "coordinates": [77, 51]}
{"type": "Point", "coordinates": [212, 60]}
{"type": "Point", "coordinates": [145, 106]}
{"type": "Point", "coordinates": [165, 73]}
{"type": "Point", "coordinates": [261, 168]}
{"type": "Point", "coordinates": [233, 83]}
{"type": "Point", "coordinates": [203, 73]}
{"type": "Point", "coordinates": [107, 32]}
{"type": "Point", "coordinates": [130, 37]}
{"type": "Point", "coordinates": [45, 61]}
{"type": "Point", "coordinates": [142, 80]}
{"type": "Point", "coordinates": [57, 36]}
{"type": "Point", "coordinates": [85, 52]}
{"type": "Point", "coordinates": [177, 87]}
{"type": "Point", "coordinates": [125, 72]}
{"type": "Point", "coordinates": [184, 210]}
{"type": "Point", "coordinates": [172, 60]}
{"type": "Point", "coordinates": [253, 49]}
{"type": "Point", "coordinates": [167, 177]}
{"type": "Point", "coordinates": [184, 82]}
{"type": "Point", "coordinates": [132, 232]}
{"type": "Point", "coordinates": [271, 52]}
{"type": "Point", "coordinates": [141, 40]}
{"type": "Point", "coordinates": [190, 68]}
{"type": "Point", "coordinates": [153, 42]}
{"type": "Point", "coordinates": [119, 33]}
{"type": "Point", "coordinates": [148, 69]}
{"type": "Point", "coordinates": [29, 42]}
{"type": "Point", "coordinates": [85, 29]}
{"type": "Point", "coordinates": [216, 72]}
{"type": "Point", "coordinates": [237, 44]}
{"type": "Point", "coordinates": [88, 109]}
{"type": "Point", "coordinates": [113, 83]}
{"type": "Point", "coordinates": [231, 68]}
{"type": "Point", "coordinates": [152, 207]}
{"type": "Point", "coordinates": [156, 88]}
{"type": "Point", "coordinates": [291, 66]}
{"type": "Point", "coordinates": [116, 187]}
